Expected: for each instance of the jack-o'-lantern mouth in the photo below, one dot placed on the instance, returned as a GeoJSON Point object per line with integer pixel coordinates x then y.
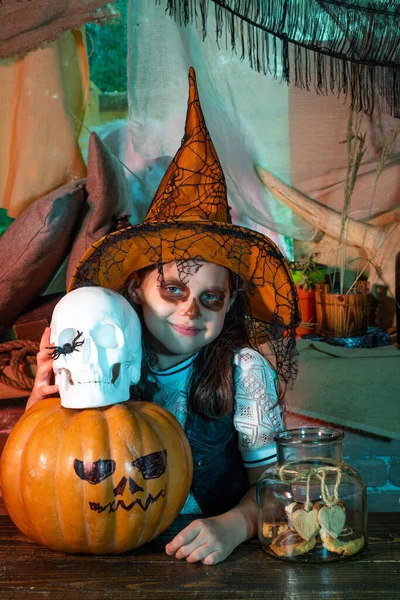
{"type": "Point", "coordinates": [113, 506]}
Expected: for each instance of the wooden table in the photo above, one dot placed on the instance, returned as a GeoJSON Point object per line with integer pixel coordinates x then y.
{"type": "Point", "coordinates": [29, 571]}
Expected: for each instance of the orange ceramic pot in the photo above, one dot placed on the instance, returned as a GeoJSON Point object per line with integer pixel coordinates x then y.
{"type": "Point", "coordinates": [308, 311]}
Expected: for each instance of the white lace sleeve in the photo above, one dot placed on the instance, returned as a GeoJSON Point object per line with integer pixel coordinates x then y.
{"type": "Point", "coordinates": [257, 412]}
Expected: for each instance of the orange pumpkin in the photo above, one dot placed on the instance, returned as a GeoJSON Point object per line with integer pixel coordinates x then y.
{"type": "Point", "coordinates": [102, 480]}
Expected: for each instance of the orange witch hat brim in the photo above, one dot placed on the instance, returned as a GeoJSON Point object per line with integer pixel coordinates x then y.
{"type": "Point", "coordinates": [251, 255]}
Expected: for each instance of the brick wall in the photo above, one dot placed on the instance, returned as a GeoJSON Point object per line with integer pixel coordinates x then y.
{"type": "Point", "coordinates": [377, 459]}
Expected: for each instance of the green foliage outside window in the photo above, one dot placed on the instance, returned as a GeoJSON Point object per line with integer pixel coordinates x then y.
{"type": "Point", "coordinates": [107, 50]}
{"type": "Point", "coordinates": [5, 220]}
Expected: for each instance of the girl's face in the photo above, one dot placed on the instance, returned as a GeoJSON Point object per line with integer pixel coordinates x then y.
{"type": "Point", "coordinates": [184, 317]}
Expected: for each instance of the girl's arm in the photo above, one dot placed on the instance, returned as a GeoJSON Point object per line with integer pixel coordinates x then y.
{"type": "Point", "coordinates": [212, 540]}
{"type": "Point", "coordinates": [42, 387]}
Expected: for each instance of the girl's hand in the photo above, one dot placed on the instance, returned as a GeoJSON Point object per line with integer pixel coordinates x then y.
{"type": "Point", "coordinates": [43, 386]}
{"type": "Point", "coordinates": [208, 540]}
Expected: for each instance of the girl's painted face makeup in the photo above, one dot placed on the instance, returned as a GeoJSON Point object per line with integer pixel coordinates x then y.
{"type": "Point", "coordinates": [175, 291]}
{"type": "Point", "coordinates": [184, 317]}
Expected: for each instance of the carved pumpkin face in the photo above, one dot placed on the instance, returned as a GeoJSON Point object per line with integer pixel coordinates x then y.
{"type": "Point", "coordinates": [102, 480]}
{"type": "Point", "coordinates": [129, 492]}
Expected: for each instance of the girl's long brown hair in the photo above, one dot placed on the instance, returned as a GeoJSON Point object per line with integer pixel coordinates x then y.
{"type": "Point", "coordinates": [211, 389]}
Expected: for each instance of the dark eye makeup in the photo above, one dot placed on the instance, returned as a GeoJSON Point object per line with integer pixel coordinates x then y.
{"type": "Point", "coordinates": [213, 299]}
{"type": "Point", "coordinates": [175, 291]}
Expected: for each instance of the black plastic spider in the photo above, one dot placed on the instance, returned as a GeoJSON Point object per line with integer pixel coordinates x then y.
{"type": "Point", "coordinates": [67, 348]}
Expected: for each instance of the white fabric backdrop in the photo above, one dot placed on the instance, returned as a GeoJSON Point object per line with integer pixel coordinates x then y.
{"type": "Point", "coordinates": [253, 119]}
{"type": "Point", "coordinates": [246, 113]}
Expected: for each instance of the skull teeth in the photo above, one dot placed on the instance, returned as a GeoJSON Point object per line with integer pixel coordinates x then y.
{"type": "Point", "coordinates": [66, 377]}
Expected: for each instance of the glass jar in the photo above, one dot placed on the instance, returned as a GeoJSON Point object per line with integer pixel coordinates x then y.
{"type": "Point", "coordinates": [311, 505]}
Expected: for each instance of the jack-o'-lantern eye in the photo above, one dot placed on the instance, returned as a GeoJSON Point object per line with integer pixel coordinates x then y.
{"type": "Point", "coordinates": [94, 472]}
{"type": "Point", "coordinates": [152, 465]}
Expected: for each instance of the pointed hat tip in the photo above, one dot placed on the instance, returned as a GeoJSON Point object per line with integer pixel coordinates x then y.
{"type": "Point", "coordinates": [193, 95]}
{"type": "Point", "coordinates": [194, 115]}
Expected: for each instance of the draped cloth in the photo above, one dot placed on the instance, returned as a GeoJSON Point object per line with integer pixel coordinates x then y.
{"type": "Point", "coordinates": [338, 45]}
{"type": "Point", "coordinates": [253, 119]}
{"type": "Point", "coordinates": [39, 93]}
{"type": "Point", "coordinates": [43, 95]}
{"type": "Point", "coordinates": [28, 24]}
{"type": "Point", "coordinates": [160, 54]}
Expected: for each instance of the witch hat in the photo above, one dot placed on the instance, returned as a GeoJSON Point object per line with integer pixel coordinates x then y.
{"type": "Point", "coordinates": [188, 220]}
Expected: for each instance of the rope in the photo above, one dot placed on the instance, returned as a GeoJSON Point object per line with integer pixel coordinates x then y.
{"type": "Point", "coordinates": [319, 472]}
{"type": "Point", "coordinates": [17, 355]}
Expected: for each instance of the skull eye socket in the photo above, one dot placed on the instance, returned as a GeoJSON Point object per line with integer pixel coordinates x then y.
{"type": "Point", "coordinates": [94, 472]}
{"type": "Point", "coordinates": [152, 465]}
{"type": "Point", "coordinates": [66, 336]}
{"type": "Point", "coordinates": [108, 336]}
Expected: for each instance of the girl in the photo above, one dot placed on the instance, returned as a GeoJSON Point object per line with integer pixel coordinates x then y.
{"type": "Point", "coordinates": [212, 296]}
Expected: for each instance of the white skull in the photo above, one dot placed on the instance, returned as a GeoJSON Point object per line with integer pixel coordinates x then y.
{"type": "Point", "coordinates": [101, 336]}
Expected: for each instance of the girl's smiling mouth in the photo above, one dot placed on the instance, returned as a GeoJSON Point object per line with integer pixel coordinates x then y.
{"type": "Point", "coordinates": [184, 330]}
